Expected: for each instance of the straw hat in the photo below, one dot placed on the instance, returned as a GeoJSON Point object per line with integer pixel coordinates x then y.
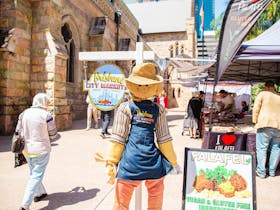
{"type": "Point", "coordinates": [143, 82]}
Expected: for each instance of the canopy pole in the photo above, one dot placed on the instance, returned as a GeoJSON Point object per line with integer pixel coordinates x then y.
{"type": "Point", "coordinates": [211, 115]}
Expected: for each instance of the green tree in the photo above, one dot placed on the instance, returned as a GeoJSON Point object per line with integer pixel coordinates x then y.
{"type": "Point", "coordinates": [256, 89]}
{"type": "Point", "coordinates": [216, 24]}
{"type": "Point", "coordinates": [267, 18]}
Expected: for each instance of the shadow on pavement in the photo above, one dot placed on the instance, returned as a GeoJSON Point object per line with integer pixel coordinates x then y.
{"type": "Point", "coordinates": [82, 124]}
{"type": "Point", "coordinates": [56, 139]}
{"type": "Point", "coordinates": [174, 117]}
{"type": "Point", "coordinates": [172, 126]}
{"type": "Point", "coordinates": [76, 195]}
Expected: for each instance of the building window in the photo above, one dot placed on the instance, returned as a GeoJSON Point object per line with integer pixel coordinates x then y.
{"type": "Point", "coordinates": [70, 47]}
{"type": "Point", "coordinates": [182, 51]}
{"type": "Point", "coordinates": [176, 48]}
{"type": "Point", "coordinates": [124, 44]}
{"type": "Point", "coordinates": [97, 26]}
{"type": "Point", "coordinates": [179, 92]}
{"type": "Point", "coordinates": [71, 62]}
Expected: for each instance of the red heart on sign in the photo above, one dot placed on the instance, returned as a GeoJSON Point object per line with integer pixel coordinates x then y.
{"type": "Point", "coordinates": [228, 139]}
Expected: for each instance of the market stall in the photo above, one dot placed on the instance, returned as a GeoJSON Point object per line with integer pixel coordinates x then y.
{"type": "Point", "coordinates": [258, 60]}
{"type": "Point", "coordinates": [229, 131]}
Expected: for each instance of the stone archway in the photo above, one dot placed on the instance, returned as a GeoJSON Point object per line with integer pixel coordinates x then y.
{"type": "Point", "coordinates": [75, 98]}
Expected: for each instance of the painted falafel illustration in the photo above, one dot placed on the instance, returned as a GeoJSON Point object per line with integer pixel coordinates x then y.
{"type": "Point", "coordinates": [220, 179]}
{"type": "Point", "coordinates": [238, 182]}
{"type": "Point", "coordinates": [201, 183]}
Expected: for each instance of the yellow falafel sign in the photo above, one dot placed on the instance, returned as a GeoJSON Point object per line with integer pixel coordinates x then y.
{"type": "Point", "coordinates": [218, 180]}
{"type": "Point", "coordinates": [106, 87]}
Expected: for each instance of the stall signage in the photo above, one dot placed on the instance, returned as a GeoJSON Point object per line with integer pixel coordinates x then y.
{"type": "Point", "coordinates": [225, 142]}
{"type": "Point", "coordinates": [106, 87]}
{"type": "Point", "coordinates": [218, 180]}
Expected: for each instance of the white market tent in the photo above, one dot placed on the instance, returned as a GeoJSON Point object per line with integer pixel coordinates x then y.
{"type": "Point", "coordinates": [264, 47]}
{"type": "Point", "coordinates": [257, 60]}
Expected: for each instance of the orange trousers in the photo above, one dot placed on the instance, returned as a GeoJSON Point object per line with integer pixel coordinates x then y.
{"type": "Point", "coordinates": [125, 189]}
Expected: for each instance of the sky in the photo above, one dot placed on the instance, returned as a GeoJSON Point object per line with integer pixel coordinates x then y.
{"type": "Point", "coordinates": [220, 6]}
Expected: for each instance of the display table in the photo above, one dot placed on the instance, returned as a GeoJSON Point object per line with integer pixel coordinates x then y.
{"type": "Point", "coordinates": [229, 141]}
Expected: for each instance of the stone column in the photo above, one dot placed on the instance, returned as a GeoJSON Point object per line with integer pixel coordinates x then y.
{"type": "Point", "coordinates": [15, 25]}
{"type": "Point", "coordinates": [49, 61]}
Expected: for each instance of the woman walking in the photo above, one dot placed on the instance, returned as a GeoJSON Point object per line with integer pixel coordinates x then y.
{"type": "Point", "coordinates": [38, 128]}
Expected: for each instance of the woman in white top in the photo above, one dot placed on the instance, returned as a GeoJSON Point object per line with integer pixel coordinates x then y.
{"type": "Point", "coordinates": [38, 128]}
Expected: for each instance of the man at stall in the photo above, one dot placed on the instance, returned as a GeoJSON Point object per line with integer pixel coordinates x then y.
{"type": "Point", "coordinates": [225, 101]}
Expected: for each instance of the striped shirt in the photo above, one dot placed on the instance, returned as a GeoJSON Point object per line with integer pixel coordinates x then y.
{"type": "Point", "coordinates": [122, 121]}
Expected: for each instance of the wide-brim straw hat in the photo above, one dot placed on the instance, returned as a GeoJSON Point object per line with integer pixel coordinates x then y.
{"type": "Point", "coordinates": [143, 82]}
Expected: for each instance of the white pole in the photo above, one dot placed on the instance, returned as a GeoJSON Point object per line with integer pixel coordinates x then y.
{"type": "Point", "coordinates": [139, 52]}
{"type": "Point", "coordinates": [138, 191]}
{"type": "Point", "coordinates": [139, 55]}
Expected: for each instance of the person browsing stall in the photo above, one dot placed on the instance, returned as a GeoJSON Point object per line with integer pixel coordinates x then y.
{"type": "Point", "coordinates": [226, 101]}
{"type": "Point", "coordinates": [193, 114]}
{"type": "Point", "coordinates": [92, 112]}
{"type": "Point", "coordinates": [266, 116]}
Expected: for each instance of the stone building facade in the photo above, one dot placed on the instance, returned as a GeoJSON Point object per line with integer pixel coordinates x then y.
{"type": "Point", "coordinates": [172, 44]}
{"type": "Point", "coordinates": [175, 45]}
{"type": "Point", "coordinates": [39, 45]}
{"type": "Point", "coordinates": [168, 28]}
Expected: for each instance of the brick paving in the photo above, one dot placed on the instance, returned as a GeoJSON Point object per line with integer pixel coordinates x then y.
{"type": "Point", "coordinates": [74, 181]}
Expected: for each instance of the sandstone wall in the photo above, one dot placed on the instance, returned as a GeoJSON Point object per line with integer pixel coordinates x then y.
{"type": "Point", "coordinates": [15, 62]}
{"type": "Point", "coordinates": [34, 58]}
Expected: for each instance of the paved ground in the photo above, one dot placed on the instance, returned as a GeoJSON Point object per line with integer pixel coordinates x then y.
{"type": "Point", "coordinates": [74, 181]}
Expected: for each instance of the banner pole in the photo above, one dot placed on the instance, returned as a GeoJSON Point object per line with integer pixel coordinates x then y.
{"type": "Point", "coordinates": [203, 41]}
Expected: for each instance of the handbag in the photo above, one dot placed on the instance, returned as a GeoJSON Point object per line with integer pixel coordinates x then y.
{"type": "Point", "coordinates": [18, 139]}
{"type": "Point", "coordinates": [19, 160]}
{"type": "Point", "coordinates": [17, 143]}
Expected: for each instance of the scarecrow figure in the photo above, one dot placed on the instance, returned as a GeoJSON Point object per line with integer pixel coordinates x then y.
{"type": "Point", "coordinates": [132, 149]}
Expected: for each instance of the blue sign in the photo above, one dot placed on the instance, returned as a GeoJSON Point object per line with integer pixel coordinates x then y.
{"type": "Point", "coordinates": [106, 87]}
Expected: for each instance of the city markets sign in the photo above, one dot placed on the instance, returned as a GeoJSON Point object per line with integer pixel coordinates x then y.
{"type": "Point", "coordinates": [218, 180]}
{"type": "Point", "coordinates": [106, 87]}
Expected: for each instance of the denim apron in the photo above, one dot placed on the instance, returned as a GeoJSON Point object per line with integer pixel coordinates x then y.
{"type": "Point", "coordinates": [141, 159]}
